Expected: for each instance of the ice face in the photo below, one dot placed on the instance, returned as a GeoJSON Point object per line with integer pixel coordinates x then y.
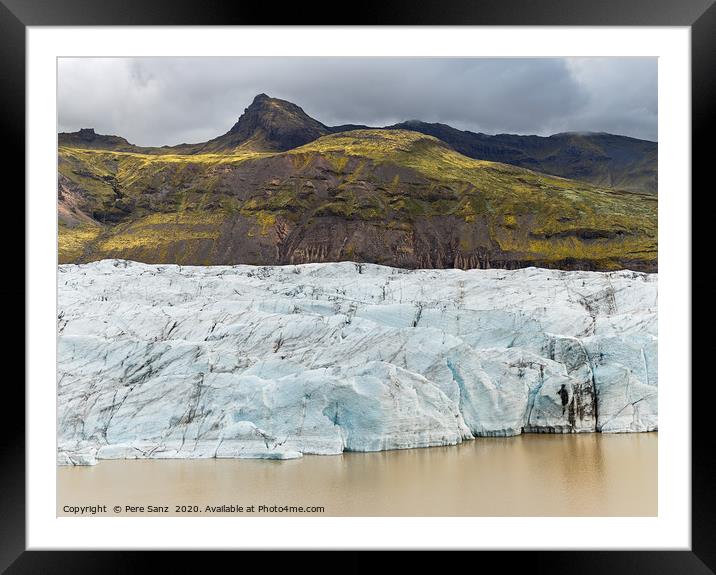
{"type": "Point", "coordinates": [168, 361]}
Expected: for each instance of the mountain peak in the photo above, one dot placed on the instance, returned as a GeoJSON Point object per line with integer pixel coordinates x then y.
{"type": "Point", "coordinates": [270, 124]}
{"type": "Point", "coordinates": [274, 110]}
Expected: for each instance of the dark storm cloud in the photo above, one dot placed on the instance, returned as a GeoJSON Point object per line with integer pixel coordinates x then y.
{"type": "Point", "coordinates": [156, 101]}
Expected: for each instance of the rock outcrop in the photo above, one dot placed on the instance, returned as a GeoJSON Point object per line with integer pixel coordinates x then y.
{"type": "Point", "coordinates": [87, 138]}
{"type": "Point", "coordinates": [164, 361]}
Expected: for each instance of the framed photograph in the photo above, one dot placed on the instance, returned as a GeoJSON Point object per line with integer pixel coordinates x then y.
{"type": "Point", "coordinates": [406, 282]}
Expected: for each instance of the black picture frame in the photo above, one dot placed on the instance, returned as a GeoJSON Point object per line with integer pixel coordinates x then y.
{"type": "Point", "coordinates": [699, 15]}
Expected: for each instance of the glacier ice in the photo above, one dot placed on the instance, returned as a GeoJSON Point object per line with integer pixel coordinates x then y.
{"type": "Point", "coordinates": [167, 361]}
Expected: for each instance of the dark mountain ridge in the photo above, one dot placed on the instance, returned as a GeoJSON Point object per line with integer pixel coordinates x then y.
{"type": "Point", "coordinates": [596, 157]}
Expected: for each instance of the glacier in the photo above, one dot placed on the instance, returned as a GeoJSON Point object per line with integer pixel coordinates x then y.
{"type": "Point", "coordinates": [168, 361]}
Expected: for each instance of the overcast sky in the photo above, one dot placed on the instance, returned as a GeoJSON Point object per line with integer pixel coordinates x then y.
{"type": "Point", "coordinates": [157, 101]}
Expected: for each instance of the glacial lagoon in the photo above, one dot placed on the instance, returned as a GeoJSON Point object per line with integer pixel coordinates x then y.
{"type": "Point", "coordinates": [589, 474]}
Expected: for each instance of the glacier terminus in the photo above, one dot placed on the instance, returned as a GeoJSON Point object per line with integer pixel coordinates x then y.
{"type": "Point", "coordinates": [168, 361]}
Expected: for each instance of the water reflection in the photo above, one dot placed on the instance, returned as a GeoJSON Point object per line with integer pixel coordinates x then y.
{"type": "Point", "coordinates": [543, 475]}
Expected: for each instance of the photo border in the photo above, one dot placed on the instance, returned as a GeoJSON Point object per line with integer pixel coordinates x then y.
{"type": "Point", "coordinates": [700, 15]}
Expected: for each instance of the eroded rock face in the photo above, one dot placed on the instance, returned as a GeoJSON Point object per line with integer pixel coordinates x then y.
{"type": "Point", "coordinates": [167, 361]}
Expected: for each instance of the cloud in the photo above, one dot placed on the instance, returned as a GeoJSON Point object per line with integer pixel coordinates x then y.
{"type": "Point", "coordinates": [157, 101]}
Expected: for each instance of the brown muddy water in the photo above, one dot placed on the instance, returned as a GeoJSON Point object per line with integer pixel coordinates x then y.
{"type": "Point", "coordinates": [529, 475]}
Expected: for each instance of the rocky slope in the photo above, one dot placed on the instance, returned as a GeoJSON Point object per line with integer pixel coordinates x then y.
{"type": "Point", "coordinates": [391, 197]}
{"type": "Point", "coordinates": [168, 361]}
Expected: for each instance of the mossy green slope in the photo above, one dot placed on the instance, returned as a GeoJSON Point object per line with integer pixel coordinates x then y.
{"type": "Point", "coordinates": [600, 159]}
{"type": "Point", "coordinates": [386, 196]}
